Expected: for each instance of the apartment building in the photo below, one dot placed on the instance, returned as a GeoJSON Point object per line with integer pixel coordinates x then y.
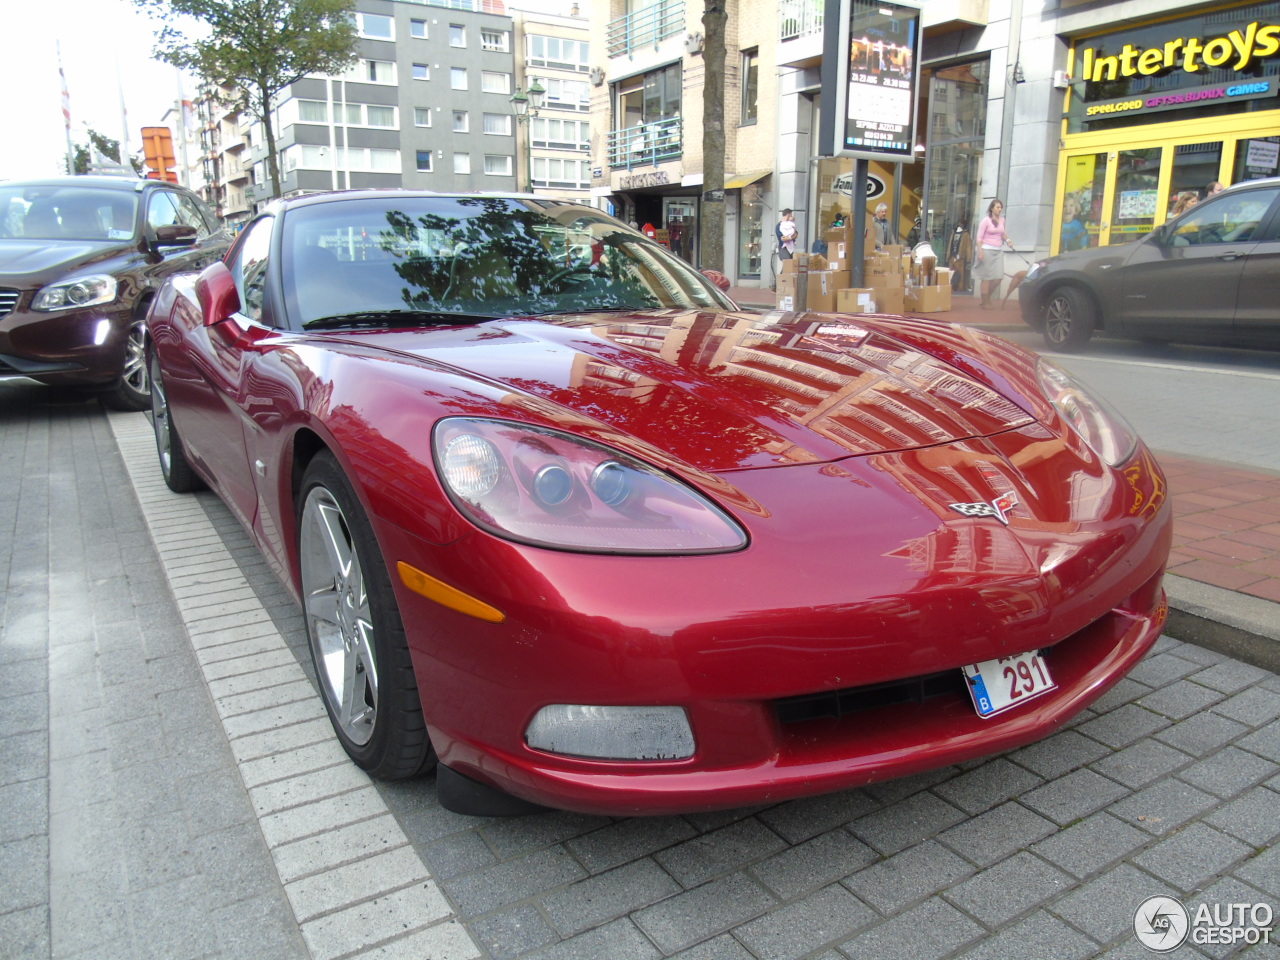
{"type": "Point", "coordinates": [224, 174]}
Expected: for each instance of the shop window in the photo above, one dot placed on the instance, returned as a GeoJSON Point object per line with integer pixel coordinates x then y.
{"type": "Point", "coordinates": [1136, 201]}
{"type": "Point", "coordinates": [1256, 158]}
{"type": "Point", "coordinates": [1195, 166]}
{"type": "Point", "coordinates": [750, 235]}
{"type": "Point", "coordinates": [1081, 203]}
{"type": "Point", "coordinates": [750, 85]}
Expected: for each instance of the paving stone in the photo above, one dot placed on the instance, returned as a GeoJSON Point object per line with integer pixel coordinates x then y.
{"type": "Point", "coordinates": [601, 897]}
{"type": "Point", "coordinates": [1127, 691]}
{"type": "Point", "coordinates": [1038, 937]}
{"type": "Point", "coordinates": [512, 881]}
{"type": "Point", "coordinates": [892, 791]}
{"type": "Point", "coordinates": [1264, 742]}
{"type": "Point", "coordinates": [1253, 817]}
{"type": "Point", "coordinates": [512, 837]}
{"type": "Point", "coordinates": [799, 820]}
{"type": "Point", "coordinates": [1218, 898]}
{"type": "Point", "coordinates": [813, 864]}
{"type": "Point", "coordinates": [457, 854]}
{"type": "Point", "coordinates": [1104, 907]}
{"type": "Point", "coordinates": [628, 840]}
{"type": "Point", "coordinates": [1073, 796]}
{"type": "Point", "coordinates": [725, 948]}
{"type": "Point", "coordinates": [823, 918]}
{"type": "Point", "coordinates": [1124, 726]}
{"type": "Point", "coordinates": [1013, 886]}
{"type": "Point", "coordinates": [370, 877]}
{"type": "Point", "coordinates": [1228, 771]}
{"type": "Point", "coordinates": [510, 933]}
{"type": "Point", "coordinates": [1192, 856]}
{"type": "Point", "coordinates": [906, 822]}
{"type": "Point", "coordinates": [25, 933]}
{"type": "Point", "coordinates": [1092, 845]}
{"type": "Point", "coordinates": [909, 877]}
{"type": "Point", "coordinates": [722, 851]}
{"type": "Point", "coordinates": [1253, 707]}
{"type": "Point", "coordinates": [1059, 754]}
{"type": "Point", "coordinates": [620, 940]}
{"type": "Point", "coordinates": [982, 788]}
{"type": "Point", "coordinates": [704, 912]}
{"type": "Point", "coordinates": [369, 923]}
{"type": "Point", "coordinates": [931, 930]}
{"type": "Point", "coordinates": [24, 873]}
{"type": "Point", "coordinates": [1180, 700]}
{"type": "Point", "coordinates": [1202, 734]}
{"type": "Point", "coordinates": [1230, 676]}
{"type": "Point", "coordinates": [1142, 763]}
{"type": "Point", "coordinates": [997, 833]}
{"type": "Point", "coordinates": [1163, 806]}
{"type": "Point", "coordinates": [1263, 872]}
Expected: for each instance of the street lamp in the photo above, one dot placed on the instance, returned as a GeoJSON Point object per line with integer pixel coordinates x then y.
{"type": "Point", "coordinates": [526, 107]}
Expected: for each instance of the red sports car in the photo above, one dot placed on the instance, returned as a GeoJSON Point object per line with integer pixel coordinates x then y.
{"type": "Point", "coordinates": [568, 524]}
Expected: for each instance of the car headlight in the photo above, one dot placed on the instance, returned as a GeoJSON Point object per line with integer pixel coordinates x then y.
{"type": "Point", "coordinates": [80, 292]}
{"type": "Point", "coordinates": [1034, 270]}
{"type": "Point", "coordinates": [1096, 421]}
{"type": "Point", "coordinates": [550, 489]}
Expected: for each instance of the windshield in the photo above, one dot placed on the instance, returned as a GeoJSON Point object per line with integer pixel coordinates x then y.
{"type": "Point", "coordinates": [474, 256]}
{"type": "Point", "coordinates": [72, 212]}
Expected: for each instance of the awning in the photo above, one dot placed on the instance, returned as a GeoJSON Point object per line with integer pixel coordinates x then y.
{"type": "Point", "coordinates": [743, 179]}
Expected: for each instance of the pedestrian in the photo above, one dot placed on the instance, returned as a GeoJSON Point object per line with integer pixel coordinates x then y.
{"type": "Point", "coordinates": [991, 243]}
{"type": "Point", "coordinates": [786, 233]}
{"type": "Point", "coordinates": [1215, 186]}
{"type": "Point", "coordinates": [881, 229]}
{"type": "Point", "coordinates": [1186, 200]}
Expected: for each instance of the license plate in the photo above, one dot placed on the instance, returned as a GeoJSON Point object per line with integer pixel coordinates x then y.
{"type": "Point", "coordinates": [998, 685]}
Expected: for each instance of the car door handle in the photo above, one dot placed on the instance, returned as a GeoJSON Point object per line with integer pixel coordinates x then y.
{"type": "Point", "coordinates": [1233, 255]}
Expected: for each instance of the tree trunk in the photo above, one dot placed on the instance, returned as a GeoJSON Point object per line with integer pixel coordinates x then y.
{"type": "Point", "coordinates": [713, 56]}
{"type": "Point", "coordinates": [268, 132]}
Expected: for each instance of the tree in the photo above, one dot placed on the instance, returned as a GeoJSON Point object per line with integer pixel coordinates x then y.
{"type": "Point", "coordinates": [713, 56]}
{"type": "Point", "coordinates": [105, 146]}
{"type": "Point", "coordinates": [257, 48]}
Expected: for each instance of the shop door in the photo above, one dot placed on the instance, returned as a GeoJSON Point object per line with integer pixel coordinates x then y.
{"type": "Point", "coordinates": [679, 218]}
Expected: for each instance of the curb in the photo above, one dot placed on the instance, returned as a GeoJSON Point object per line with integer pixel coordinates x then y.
{"type": "Point", "coordinates": [1236, 624]}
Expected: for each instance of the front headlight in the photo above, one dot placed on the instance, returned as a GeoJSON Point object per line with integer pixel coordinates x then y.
{"type": "Point", "coordinates": [550, 489]}
{"type": "Point", "coordinates": [80, 292]}
{"type": "Point", "coordinates": [1096, 421]}
{"type": "Point", "coordinates": [1035, 269]}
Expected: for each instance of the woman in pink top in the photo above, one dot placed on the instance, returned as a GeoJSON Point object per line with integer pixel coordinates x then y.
{"type": "Point", "coordinates": [991, 241]}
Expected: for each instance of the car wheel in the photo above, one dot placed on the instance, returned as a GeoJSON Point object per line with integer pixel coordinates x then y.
{"type": "Point", "coordinates": [133, 390]}
{"type": "Point", "coordinates": [357, 640]}
{"type": "Point", "coordinates": [178, 474]}
{"type": "Point", "coordinates": [1069, 319]}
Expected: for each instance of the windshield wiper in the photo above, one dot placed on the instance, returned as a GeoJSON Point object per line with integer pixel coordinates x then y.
{"type": "Point", "coordinates": [383, 318]}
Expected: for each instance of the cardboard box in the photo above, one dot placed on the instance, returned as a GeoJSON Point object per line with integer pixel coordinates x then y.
{"type": "Point", "coordinates": [928, 299]}
{"type": "Point", "coordinates": [818, 262]}
{"type": "Point", "coordinates": [856, 300]}
{"type": "Point", "coordinates": [944, 276]}
{"type": "Point", "coordinates": [839, 250]}
{"type": "Point", "coordinates": [822, 288]}
{"type": "Point", "coordinates": [787, 303]}
{"type": "Point", "coordinates": [890, 300]}
{"type": "Point", "coordinates": [786, 285]}
{"type": "Point", "coordinates": [836, 235]}
{"type": "Point", "coordinates": [879, 266]}
{"type": "Point", "coordinates": [893, 249]}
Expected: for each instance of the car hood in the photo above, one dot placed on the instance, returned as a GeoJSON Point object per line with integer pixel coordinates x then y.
{"type": "Point", "coordinates": [732, 391]}
{"type": "Point", "coordinates": [1094, 258]}
{"type": "Point", "coordinates": [43, 261]}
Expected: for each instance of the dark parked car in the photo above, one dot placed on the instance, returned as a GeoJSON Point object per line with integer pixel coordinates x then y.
{"type": "Point", "coordinates": [1211, 275]}
{"type": "Point", "coordinates": [80, 259]}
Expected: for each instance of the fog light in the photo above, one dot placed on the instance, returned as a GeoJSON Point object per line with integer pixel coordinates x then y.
{"type": "Point", "coordinates": [612, 733]}
{"type": "Point", "coordinates": [101, 332]}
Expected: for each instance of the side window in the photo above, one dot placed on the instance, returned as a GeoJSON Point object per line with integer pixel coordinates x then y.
{"type": "Point", "coordinates": [1231, 218]}
{"type": "Point", "coordinates": [250, 267]}
{"type": "Point", "coordinates": [193, 212]}
{"type": "Point", "coordinates": [161, 211]}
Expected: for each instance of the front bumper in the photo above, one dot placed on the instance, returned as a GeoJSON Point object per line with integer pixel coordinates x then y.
{"type": "Point", "coordinates": [84, 346]}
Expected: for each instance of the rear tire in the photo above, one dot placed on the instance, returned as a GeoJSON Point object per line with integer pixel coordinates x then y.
{"type": "Point", "coordinates": [174, 467]}
{"type": "Point", "coordinates": [1070, 318]}
{"type": "Point", "coordinates": [357, 639]}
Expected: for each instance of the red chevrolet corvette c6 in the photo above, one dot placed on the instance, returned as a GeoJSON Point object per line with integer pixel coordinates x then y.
{"type": "Point", "coordinates": [570, 528]}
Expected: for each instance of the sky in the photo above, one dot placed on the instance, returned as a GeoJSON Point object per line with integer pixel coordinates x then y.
{"type": "Point", "coordinates": [100, 40]}
{"type": "Point", "coordinates": [106, 53]}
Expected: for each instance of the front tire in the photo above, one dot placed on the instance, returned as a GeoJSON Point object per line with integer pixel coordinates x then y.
{"type": "Point", "coordinates": [133, 390]}
{"type": "Point", "coordinates": [174, 467]}
{"type": "Point", "coordinates": [1070, 317]}
{"type": "Point", "coordinates": [357, 639]}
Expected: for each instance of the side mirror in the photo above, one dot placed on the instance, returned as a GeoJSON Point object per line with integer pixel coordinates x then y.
{"type": "Point", "coordinates": [175, 235]}
{"type": "Point", "coordinates": [216, 291]}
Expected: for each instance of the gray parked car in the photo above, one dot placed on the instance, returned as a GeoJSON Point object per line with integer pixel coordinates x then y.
{"type": "Point", "coordinates": [1211, 275]}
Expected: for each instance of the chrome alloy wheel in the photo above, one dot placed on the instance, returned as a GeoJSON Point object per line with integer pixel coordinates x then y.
{"type": "Point", "coordinates": [1058, 320]}
{"type": "Point", "coordinates": [160, 422]}
{"type": "Point", "coordinates": [136, 376]}
{"type": "Point", "coordinates": [339, 623]}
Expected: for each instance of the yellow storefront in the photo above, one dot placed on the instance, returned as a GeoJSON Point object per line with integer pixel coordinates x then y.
{"type": "Point", "coordinates": [1160, 110]}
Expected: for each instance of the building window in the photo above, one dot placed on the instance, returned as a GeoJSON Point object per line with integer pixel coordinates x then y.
{"type": "Point", "coordinates": [492, 82]}
{"type": "Point", "coordinates": [421, 71]}
{"type": "Point", "coordinates": [461, 122]}
{"type": "Point", "coordinates": [498, 124]}
{"type": "Point", "coordinates": [551, 172]}
{"type": "Point", "coordinates": [495, 40]}
{"type": "Point", "coordinates": [373, 26]}
{"type": "Point", "coordinates": [496, 166]}
{"type": "Point", "coordinates": [418, 29]}
{"type": "Point", "coordinates": [570, 94]}
{"type": "Point", "coordinates": [647, 98]}
{"type": "Point", "coordinates": [750, 84]}
{"type": "Point", "coordinates": [559, 53]}
{"type": "Point", "coordinates": [372, 71]}
{"type": "Point", "coordinates": [364, 115]}
{"type": "Point", "coordinates": [458, 78]}
{"type": "Point", "coordinates": [422, 116]}
{"type": "Point", "coordinates": [462, 163]}
{"type": "Point", "coordinates": [424, 161]}
{"type": "Point", "coordinates": [457, 35]}
{"type": "Point", "coordinates": [313, 111]}
{"type": "Point", "coordinates": [557, 134]}
{"type": "Point", "coordinates": [381, 116]}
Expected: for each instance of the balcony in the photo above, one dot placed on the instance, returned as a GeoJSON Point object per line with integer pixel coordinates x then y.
{"type": "Point", "coordinates": [645, 145]}
{"type": "Point", "coordinates": [800, 24]}
{"type": "Point", "coordinates": [647, 27]}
